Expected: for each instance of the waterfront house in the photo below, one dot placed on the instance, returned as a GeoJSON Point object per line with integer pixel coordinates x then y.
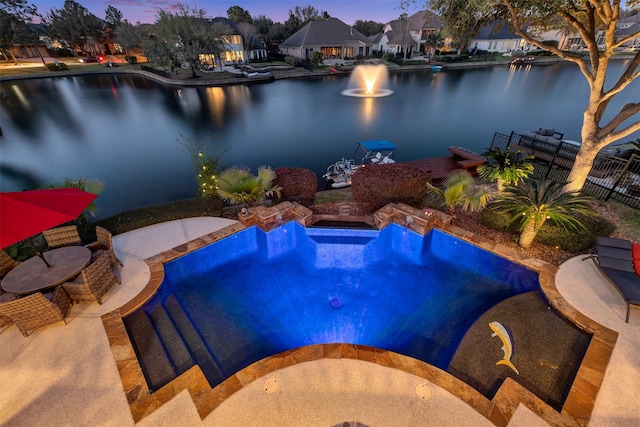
{"type": "Point", "coordinates": [331, 37]}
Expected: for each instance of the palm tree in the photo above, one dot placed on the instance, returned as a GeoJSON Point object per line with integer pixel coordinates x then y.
{"type": "Point", "coordinates": [456, 192]}
{"type": "Point", "coordinates": [536, 201]}
{"type": "Point", "coordinates": [506, 167]}
{"type": "Point", "coordinates": [90, 186]}
{"type": "Point", "coordinates": [237, 185]}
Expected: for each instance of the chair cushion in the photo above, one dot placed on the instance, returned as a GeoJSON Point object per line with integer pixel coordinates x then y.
{"type": "Point", "coordinates": [616, 264]}
{"type": "Point", "coordinates": [547, 132]}
{"type": "Point", "coordinates": [635, 250]}
{"type": "Point", "coordinates": [636, 265]}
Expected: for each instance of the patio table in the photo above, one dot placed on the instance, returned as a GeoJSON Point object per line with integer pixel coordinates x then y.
{"type": "Point", "coordinates": [33, 275]}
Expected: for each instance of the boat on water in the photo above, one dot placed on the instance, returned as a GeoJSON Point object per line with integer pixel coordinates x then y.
{"type": "Point", "coordinates": [380, 151]}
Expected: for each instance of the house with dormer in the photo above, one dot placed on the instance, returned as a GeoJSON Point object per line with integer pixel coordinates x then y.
{"type": "Point", "coordinates": [331, 37]}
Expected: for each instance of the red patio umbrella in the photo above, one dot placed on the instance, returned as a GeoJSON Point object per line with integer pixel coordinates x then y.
{"type": "Point", "coordinates": [26, 213]}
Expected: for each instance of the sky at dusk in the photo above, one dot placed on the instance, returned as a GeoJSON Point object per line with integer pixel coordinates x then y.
{"type": "Point", "coordinates": [145, 11]}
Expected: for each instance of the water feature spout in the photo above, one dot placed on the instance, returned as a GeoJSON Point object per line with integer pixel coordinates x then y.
{"type": "Point", "coordinates": [368, 81]}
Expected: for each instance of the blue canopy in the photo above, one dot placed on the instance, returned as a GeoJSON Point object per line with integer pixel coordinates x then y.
{"type": "Point", "coordinates": [378, 145]}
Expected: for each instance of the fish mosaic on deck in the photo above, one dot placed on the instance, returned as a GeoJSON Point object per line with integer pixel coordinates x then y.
{"type": "Point", "coordinates": [506, 337]}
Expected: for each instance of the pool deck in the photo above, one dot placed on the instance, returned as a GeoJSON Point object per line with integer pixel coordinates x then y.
{"type": "Point", "coordinates": [66, 375]}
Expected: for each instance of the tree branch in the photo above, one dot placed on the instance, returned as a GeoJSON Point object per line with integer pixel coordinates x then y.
{"type": "Point", "coordinates": [607, 134]}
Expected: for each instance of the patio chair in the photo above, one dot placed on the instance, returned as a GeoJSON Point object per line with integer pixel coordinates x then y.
{"type": "Point", "coordinates": [6, 264]}
{"type": "Point", "coordinates": [6, 297]}
{"type": "Point", "coordinates": [94, 282]}
{"type": "Point", "coordinates": [62, 236]}
{"type": "Point", "coordinates": [33, 311]}
{"type": "Point", "coordinates": [104, 243]}
{"type": "Point", "coordinates": [615, 259]}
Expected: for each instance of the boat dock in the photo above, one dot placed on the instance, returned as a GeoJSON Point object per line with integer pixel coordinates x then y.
{"type": "Point", "coordinates": [440, 167]}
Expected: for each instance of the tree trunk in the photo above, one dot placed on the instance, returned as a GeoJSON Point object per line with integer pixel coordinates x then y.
{"type": "Point", "coordinates": [530, 231]}
{"type": "Point", "coordinates": [500, 184]}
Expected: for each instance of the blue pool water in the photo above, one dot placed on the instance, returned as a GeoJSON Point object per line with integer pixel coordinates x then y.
{"type": "Point", "coordinates": [255, 294]}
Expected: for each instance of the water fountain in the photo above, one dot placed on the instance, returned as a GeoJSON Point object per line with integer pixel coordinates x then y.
{"type": "Point", "coordinates": [368, 81]}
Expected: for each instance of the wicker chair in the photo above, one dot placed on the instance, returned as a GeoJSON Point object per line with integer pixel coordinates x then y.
{"type": "Point", "coordinates": [36, 310]}
{"type": "Point", "coordinates": [95, 281]}
{"type": "Point", "coordinates": [6, 264]}
{"type": "Point", "coordinates": [6, 297]}
{"type": "Point", "coordinates": [104, 243]}
{"type": "Point", "coordinates": [62, 236]}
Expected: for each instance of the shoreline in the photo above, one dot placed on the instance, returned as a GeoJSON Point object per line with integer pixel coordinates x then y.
{"type": "Point", "coordinates": [225, 79]}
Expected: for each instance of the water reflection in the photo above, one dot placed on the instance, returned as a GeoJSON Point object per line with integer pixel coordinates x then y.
{"type": "Point", "coordinates": [125, 130]}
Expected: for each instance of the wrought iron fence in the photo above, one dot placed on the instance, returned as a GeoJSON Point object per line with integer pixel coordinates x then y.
{"type": "Point", "coordinates": [611, 177]}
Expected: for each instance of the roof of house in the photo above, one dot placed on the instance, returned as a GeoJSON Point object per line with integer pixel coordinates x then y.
{"type": "Point", "coordinates": [632, 29]}
{"type": "Point", "coordinates": [225, 21]}
{"type": "Point", "coordinates": [496, 32]}
{"type": "Point", "coordinates": [326, 32]}
{"type": "Point", "coordinates": [422, 20]}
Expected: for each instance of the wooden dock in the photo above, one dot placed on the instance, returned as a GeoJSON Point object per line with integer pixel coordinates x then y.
{"type": "Point", "coordinates": [440, 167]}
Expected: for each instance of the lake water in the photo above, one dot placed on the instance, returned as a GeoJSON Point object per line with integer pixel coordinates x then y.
{"type": "Point", "coordinates": [127, 130]}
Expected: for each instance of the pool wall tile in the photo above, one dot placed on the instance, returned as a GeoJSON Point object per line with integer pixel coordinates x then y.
{"type": "Point", "coordinates": [576, 411]}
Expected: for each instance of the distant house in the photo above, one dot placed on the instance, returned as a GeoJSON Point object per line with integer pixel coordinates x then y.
{"type": "Point", "coordinates": [494, 38]}
{"type": "Point", "coordinates": [232, 46]}
{"type": "Point", "coordinates": [411, 33]}
{"type": "Point", "coordinates": [258, 49]}
{"type": "Point", "coordinates": [627, 27]}
{"type": "Point", "coordinates": [380, 43]}
{"type": "Point", "coordinates": [331, 37]}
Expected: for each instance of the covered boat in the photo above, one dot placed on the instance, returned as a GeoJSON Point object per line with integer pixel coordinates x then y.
{"type": "Point", "coordinates": [374, 152]}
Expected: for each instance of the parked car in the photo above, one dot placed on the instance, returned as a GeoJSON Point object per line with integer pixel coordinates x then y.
{"type": "Point", "coordinates": [88, 59]}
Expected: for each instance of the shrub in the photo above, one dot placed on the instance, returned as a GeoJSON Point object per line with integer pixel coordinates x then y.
{"type": "Point", "coordinates": [298, 185]}
{"type": "Point", "coordinates": [575, 241]}
{"type": "Point", "coordinates": [57, 66]}
{"type": "Point", "coordinates": [498, 220]}
{"type": "Point", "coordinates": [389, 57]}
{"type": "Point", "coordinates": [551, 234]}
{"type": "Point", "coordinates": [377, 185]}
{"type": "Point", "coordinates": [293, 61]}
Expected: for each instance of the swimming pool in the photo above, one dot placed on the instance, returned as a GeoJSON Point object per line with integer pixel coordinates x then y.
{"type": "Point", "coordinates": [255, 294]}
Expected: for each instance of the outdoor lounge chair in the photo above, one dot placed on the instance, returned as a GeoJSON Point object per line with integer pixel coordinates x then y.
{"type": "Point", "coordinates": [62, 236]}
{"type": "Point", "coordinates": [619, 262]}
{"type": "Point", "coordinates": [95, 281]}
{"type": "Point", "coordinates": [104, 243]}
{"type": "Point", "coordinates": [36, 310]}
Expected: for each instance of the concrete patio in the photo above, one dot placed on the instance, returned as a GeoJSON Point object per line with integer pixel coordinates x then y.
{"type": "Point", "coordinates": [66, 375]}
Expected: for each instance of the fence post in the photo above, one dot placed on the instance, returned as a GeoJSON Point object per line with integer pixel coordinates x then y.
{"type": "Point", "coordinates": [509, 141]}
{"type": "Point", "coordinates": [615, 184]}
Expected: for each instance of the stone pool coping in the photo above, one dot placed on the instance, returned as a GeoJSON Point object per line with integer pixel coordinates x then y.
{"type": "Point", "coordinates": [499, 410]}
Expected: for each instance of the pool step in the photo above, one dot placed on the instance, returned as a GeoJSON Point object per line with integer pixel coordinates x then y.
{"type": "Point", "coordinates": [173, 343]}
{"type": "Point", "coordinates": [198, 349]}
{"type": "Point", "coordinates": [156, 365]}
{"type": "Point", "coordinates": [340, 251]}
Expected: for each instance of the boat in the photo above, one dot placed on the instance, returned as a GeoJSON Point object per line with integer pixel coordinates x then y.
{"type": "Point", "coordinates": [380, 151]}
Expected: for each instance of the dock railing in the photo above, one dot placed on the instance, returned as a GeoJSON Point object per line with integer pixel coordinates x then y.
{"type": "Point", "coordinates": [611, 177]}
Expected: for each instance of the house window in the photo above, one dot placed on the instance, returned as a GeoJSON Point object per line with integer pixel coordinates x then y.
{"type": "Point", "coordinates": [231, 39]}
{"type": "Point", "coordinates": [233, 56]}
{"type": "Point", "coordinates": [330, 51]}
